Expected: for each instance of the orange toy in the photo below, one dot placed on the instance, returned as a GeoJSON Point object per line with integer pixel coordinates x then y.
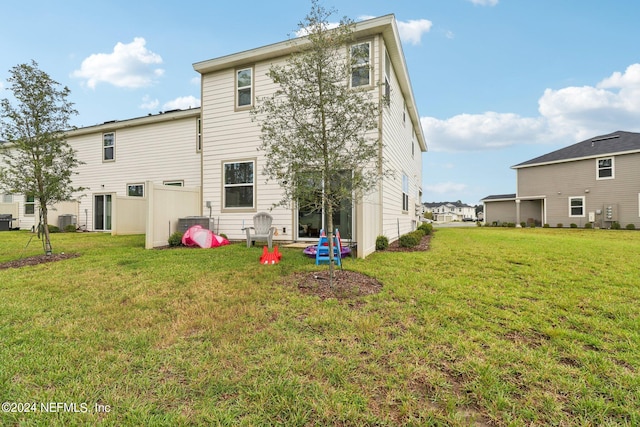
{"type": "Point", "coordinates": [270, 257]}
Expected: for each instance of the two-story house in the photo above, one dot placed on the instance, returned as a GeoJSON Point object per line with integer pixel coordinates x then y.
{"type": "Point", "coordinates": [594, 181]}
{"type": "Point", "coordinates": [230, 87]}
{"type": "Point", "coordinates": [214, 149]}
{"type": "Point", "coordinates": [450, 211]}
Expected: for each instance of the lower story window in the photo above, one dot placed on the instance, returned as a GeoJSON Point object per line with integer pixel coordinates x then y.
{"type": "Point", "coordinates": [135, 190]}
{"type": "Point", "coordinates": [29, 205]}
{"type": "Point", "coordinates": [405, 193]}
{"type": "Point", "coordinates": [576, 206]}
{"type": "Point", "coordinates": [239, 184]}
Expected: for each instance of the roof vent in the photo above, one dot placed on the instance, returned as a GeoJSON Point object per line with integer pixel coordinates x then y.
{"type": "Point", "coordinates": [604, 138]}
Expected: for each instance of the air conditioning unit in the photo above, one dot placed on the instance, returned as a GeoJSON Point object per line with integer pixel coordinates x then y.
{"type": "Point", "coordinates": [203, 221]}
{"type": "Point", "coordinates": [67, 220]}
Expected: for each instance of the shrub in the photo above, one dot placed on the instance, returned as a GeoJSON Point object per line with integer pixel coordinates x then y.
{"type": "Point", "coordinates": [511, 224]}
{"type": "Point", "coordinates": [573, 225]}
{"type": "Point", "coordinates": [71, 228]}
{"type": "Point", "coordinates": [175, 239]}
{"type": "Point", "coordinates": [53, 228]}
{"type": "Point", "coordinates": [382, 243]}
{"type": "Point", "coordinates": [411, 239]}
{"type": "Point", "coordinates": [559, 225]}
{"type": "Point", "coordinates": [426, 228]}
{"type": "Point", "coordinates": [223, 235]}
{"type": "Point", "coordinates": [615, 225]}
{"type": "Point", "coordinates": [532, 225]}
{"type": "Point", "coordinates": [630, 227]}
{"type": "Point", "coordinates": [588, 225]}
{"type": "Point", "coordinates": [523, 224]}
{"type": "Point", "coordinates": [545, 226]}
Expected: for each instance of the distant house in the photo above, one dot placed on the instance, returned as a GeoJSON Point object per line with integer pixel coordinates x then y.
{"type": "Point", "coordinates": [450, 211]}
{"type": "Point", "coordinates": [594, 181]}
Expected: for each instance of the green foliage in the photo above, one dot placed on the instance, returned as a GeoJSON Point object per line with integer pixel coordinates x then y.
{"type": "Point", "coordinates": [71, 228]}
{"type": "Point", "coordinates": [53, 228]}
{"type": "Point", "coordinates": [523, 224]}
{"type": "Point", "coordinates": [559, 225]}
{"type": "Point", "coordinates": [175, 239]}
{"type": "Point", "coordinates": [411, 239]}
{"type": "Point", "coordinates": [382, 243]}
{"type": "Point", "coordinates": [573, 225]}
{"type": "Point", "coordinates": [223, 235]}
{"type": "Point", "coordinates": [588, 225]}
{"type": "Point", "coordinates": [615, 225]}
{"type": "Point", "coordinates": [631, 226]}
{"type": "Point", "coordinates": [426, 228]}
{"type": "Point", "coordinates": [37, 159]}
{"type": "Point", "coordinates": [545, 226]}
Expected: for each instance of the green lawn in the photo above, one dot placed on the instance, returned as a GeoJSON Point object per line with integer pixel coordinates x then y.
{"type": "Point", "coordinates": [492, 326]}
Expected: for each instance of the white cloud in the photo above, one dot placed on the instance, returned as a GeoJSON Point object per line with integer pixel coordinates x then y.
{"type": "Point", "coordinates": [195, 80]}
{"type": "Point", "coordinates": [445, 187]}
{"type": "Point", "coordinates": [148, 103]}
{"type": "Point", "coordinates": [484, 2]}
{"type": "Point", "coordinates": [181, 103]}
{"type": "Point", "coordinates": [129, 65]}
{"type": "Point", "coordinates": [411, 31]}
{"type": "Point", "coordinates": [567, 114]}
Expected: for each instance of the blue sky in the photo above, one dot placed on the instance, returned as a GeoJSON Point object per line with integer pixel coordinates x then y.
{"type": "Point", "coordinates": [497, 82]}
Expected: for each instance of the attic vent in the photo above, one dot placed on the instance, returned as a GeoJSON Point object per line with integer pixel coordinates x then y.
{"type": "Point", "coordinates": [605, 138]}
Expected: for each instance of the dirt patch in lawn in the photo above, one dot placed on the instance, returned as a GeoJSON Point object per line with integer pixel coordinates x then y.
{"type": "Point", "coordinates": [347, 284]}
{"type": "Point", "coordinates": [35, 260]}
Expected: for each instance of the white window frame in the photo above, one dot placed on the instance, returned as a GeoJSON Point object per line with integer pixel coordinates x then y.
{"type": "Point", "coordinates": [29, 205]}
{"type": "Point", "coordinates": [135, 184]}
{"type": "Point", "coordinates": [357, 66]}
{"type": "Point", "coordinates": [387, 78]}
{"type": "Point", "coordinates": [571, 215]}
{"type": "Point", "coordinates": [198, 135]}
{"type": "Point", "coordinates": [238, 88]}
{"type": "Point", "coordinates": [405, 193]}
{"type": "Point", "coordinates": [226, 208]}
{"type": "Point", "coordinates": [612, 167]}
{"type": "Point", "coordinates": [112, 146]}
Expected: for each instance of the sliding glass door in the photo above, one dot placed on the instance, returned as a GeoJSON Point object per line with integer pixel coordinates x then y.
{"type": "Point", "coordinates": [102, 212]}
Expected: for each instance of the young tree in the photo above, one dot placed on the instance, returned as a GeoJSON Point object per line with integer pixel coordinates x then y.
{"type": "Point", "coordinates": [318, 133]}
{"type": "Point", "coordinates": [38, 162]}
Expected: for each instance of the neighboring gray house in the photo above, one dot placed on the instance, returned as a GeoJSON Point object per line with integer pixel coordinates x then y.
{"type": "Point", "coordinates": [595, 181]}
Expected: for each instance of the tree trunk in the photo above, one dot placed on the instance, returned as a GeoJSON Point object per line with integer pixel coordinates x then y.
{"type": "Point", "coordinates": [329, 212]}
{"type": "Point", "coordinates": [48, 250]}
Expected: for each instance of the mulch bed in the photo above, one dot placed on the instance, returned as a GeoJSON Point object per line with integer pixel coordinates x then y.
{"type": "Point", "coordinates": [347, 284]}
{"type": "Point", "coordinates": [35, 260]}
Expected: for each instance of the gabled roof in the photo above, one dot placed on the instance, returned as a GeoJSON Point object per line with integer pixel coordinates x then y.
{"type": "Point", "coordinates": [385, 25]}
{"type": "Point", "coordinates": [614, 143]}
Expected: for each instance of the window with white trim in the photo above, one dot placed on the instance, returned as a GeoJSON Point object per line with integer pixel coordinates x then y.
{"type": "Point", "coordinates": [29, 205]}
{"type": "Point", "coordinates": [7, 198]}
{"type": "Point", "coordinates": [239, 185]}
{"type": "Point", "coordinates": [405, 192]}
{"type": "Point", "coordinates": [576, 206]}
{"type": "Point", "coordinates": [244, 87]}
{"type": "Point", "coordinates": [360, 64]}
{"type": "Point", "coordinates": [605, 168]}
{"type": "Point", "coordinates": [387, 79]}
{"type": "Point", "coordinates": [109, 147]}
{"type": "Point", "coordinates": [199, 135]}
{"type": "Point", "coordinates": [135, 190]}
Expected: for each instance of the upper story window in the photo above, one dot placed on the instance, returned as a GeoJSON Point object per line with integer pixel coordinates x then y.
{"type": "Point", "coordinates": [387, 79]}
{"type": "Point", "coordinates": [239, 185]}
{"type": "Point", "coordinates": [244, 87]}
{"type": "Point", "coordinates": [360, 64]}
{"type": "Point", "coordinates": [7, 198]}
{"type": "Point", "coordinates": [605, 168]}
{"type": "Point", "coordinates": [109, 147]}
{"type": "Point", "coordinates": [199, 135]}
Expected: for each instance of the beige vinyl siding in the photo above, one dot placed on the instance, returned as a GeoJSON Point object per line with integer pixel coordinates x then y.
{"type": "Point", "coordinates": [156, 152]}
{"type": "Point", "coordinates": [558, 182]}
{"type": "Point", "coordinates": [500, 211]}
{"type": "Point", "coordinates": [230, 135]}
{"type": "Point", "coordinates": [397, 135]}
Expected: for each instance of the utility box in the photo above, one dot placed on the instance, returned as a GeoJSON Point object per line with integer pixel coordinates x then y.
{"type": "Point", "coordinates": [66, 220]}
{"type": "Point", "coordinates": [203, 221]}
{"type": "Point", "coordinates": [610, 212]}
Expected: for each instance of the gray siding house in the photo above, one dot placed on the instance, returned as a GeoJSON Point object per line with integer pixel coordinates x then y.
{"type": "Point", "coordinates": [594, 181]}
